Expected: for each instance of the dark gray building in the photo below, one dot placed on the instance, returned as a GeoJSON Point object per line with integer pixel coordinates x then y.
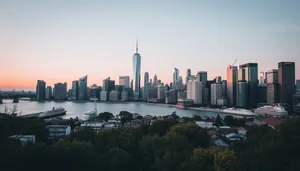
{"type": "Point", "coordinates": [75, 90]}
{"type": "Point", "coordinates": [242, 94]}
{"type": "Point", "coordinates": [82, 95]}
{"type": "Point", "coordinates": [286, 82]}
{"type": "Point", "coordinates": [188, 74]}
{"type": "Point", "coordinates": [272, 93]}
{"type": "Point", "coordinates": [232, 73]}
{"type": "Point", "coordinates": [224, 89]}
{"type": "Point", "coordinates": [262, 93]}
{"type": "Point", "coordinates": [298, 84]}
{"type": "Point", "coordinates": [60, 91]}
{"type": "Point", "coordinates": [249, 73]}
{"type": "Point", "coordinates": [202, 76]}
{"type": "Point", "coordinates": [41, 90]}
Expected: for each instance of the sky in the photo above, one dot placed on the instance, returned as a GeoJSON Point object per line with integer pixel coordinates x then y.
{"type": "Point", "coordinates": [63, 40]}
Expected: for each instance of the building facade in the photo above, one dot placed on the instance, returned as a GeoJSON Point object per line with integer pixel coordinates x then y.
{"type": "Point", "coordinates": [146, 78]}
{"type": "Point", "coordinates": [60, 91]}
{"type": "Point", "coordinates": [194, 91]}
{"type": "Point", "coordinates": [231, 85]}
{"type": "Point", "coordinates": [297, 84]}
{"type": "Point", "coordinates": [161, 93]}
{"type": "Point", "coordinates": [41, 90]}
{"type": "Point", "coordinates": [286, 83]}
{"type": "Point", "coordinates": [114, 95]}
{"type": "Point", "coordinates": [216, 93]}
{"type": "Point", "coordinates": [175, 76]}
{"type": "Point", "coordinates": [202, 76]}
{"type": "Point", "coordinates": [136, 72]}
{"type": "Point", "coordinates": [188, 74]}
{"type": "Point", "coordinates": [75, 90]}
{"type": "Point", "coordinates": [48, 92]}
{"type": "Point", "coordinates": [82, 95]}
{"type": "Point", "coordinates": [242, 94]}
{"type": "Point", "coordinates": [124, 81]}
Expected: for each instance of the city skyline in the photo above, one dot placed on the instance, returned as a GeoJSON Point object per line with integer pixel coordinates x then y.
{"type": "Point", "coordinates": [40, 41]}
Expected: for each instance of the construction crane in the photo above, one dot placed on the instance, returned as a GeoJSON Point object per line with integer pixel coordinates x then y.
{"type": "Point", "coordinates": [233, 63]}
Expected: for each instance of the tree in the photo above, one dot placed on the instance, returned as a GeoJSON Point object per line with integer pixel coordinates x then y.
{"type": "Point", "coordinates": [86, 134]}
{"type": "Point", "coordinates": [161, 127]}
{"type": "Point", "coordinates": [218, 121]}
{"type": "Point", "coordinates": [200, 160]}
{"type": "Point", "coordinates": [197, 118]}
{"type": "Point", "coordinates": [125, 116]}
{"type": "Point", "coordinates": [118, 159]}
{"type": "Point", "coordinates": [196, 136]}
{"type": "Point", "coordinates": [230, 120]}
{"type": "Point", "coordinates": [105, 116]}
{"type": "Point", "coordinates": [225, 160]}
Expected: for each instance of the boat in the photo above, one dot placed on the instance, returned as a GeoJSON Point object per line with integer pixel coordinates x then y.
{"type": "Point", "coordinates": [90, 115]}
{"type": "Point", "coordinates": [180, 107]}
{"type": "Point", "coordinates": [239, 112]}
{"type": "Point", "coordinates": [183, 103]}
{"type": "Point", "coordinates": [271, 111]}
{"type": "Point", "coordinates": [54, 112]}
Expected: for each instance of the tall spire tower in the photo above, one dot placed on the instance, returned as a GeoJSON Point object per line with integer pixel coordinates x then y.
{"type": "Point", "coordinates": [136, 72]}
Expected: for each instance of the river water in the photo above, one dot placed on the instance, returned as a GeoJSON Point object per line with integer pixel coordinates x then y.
{"type": "Point", "coordinates": [77, 109]}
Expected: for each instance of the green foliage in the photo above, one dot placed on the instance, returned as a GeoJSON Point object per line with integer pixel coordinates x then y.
{"type": "Point", "coordinates": [218, 121]}
{"type": "Point", "coordinates": [125, 116]}
{"type": "Point", "coordinates": [196, 136]}
{"type": "Point", "coordinates": [161, 127]}
{"type": "Point", "coordinates": [230, 120]}
{"type": "Point", "coordinates": [105, 116]}
{"type": "Point", "coordinates": [225, 161]}
{"type": "Point", "coordinates": [200, 160]}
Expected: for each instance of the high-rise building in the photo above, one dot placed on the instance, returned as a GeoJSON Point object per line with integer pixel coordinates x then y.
{"type": "Point", "coordinates": [124, 95]}
{"type": "Point", "coordinates": [175, 76]}
{"type": "Point", "coordinates": [181, 94]}
{"type": "Point", "coordinates": [286, 82]}
{"type": "Point", "coordinates": [202, 76]}
{"type": "Point", "coordinates": [124, 81]}
{"type": "Point", "coordinates": [48, 92]}
{"type": "Point", "coordinates": [114, 95]}
{"type": "Point", "coordinates": [60, 91]}
{"type": "Point", "coordinates": [298, 84]}
{"type": "Point", "coordinates": [136, 72]}
{"type": "Point", "coordinates": [216, 93]}
{"type": "Point", "coordinates": [161, 93]}
{"type": "Point", "coordinates": [194, 91]}
{"type": "Point", "coordinates": [40, 90]}
{"type": "Point", "coordinates": [224, 89]}
{"type": "Point", "coordinates": [95, 92]}
{"type": "Point", "coordinates": [146, 78]}
{"type": "Point", "coordinates": [242, 93]}
{"type": "Point", "coordinates": [249, 73]}
{"type": "Point", "coordinates": [188, 74]}
{"type": "Point", "coordinates": [155, 81]}
{"type": "Point", "coordinates": [146, 88]}
{"type": "Point", "coordinates": [82, 88]}
{"type": "Point", "coordinates": [171, 97]}
{"type": "Point", "coordinates": [218, 79]}
{"type": "Point", "coordinates": [75, 90]}
{"type": "Point", "coordinates": [272, 86]}
{"type": "Point", "coordinates": [231, 85]}
{"type": "Point", "coordinates": [180, 81]}
{"type": "Point", "coordinates": [104, 95]}
{"type": "Point", "coordinates": [261, 94]}
{"type": "Point", "coordinates": [108, 85]}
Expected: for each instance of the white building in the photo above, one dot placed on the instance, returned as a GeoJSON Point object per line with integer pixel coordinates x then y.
{"type": "Point", "coordinates": [194, 91]}
{"type": "Point", "coordinates": [161, 92]}
{"type": "Point", "coordinates": [24, 138]}
{"type": "Point", "coordinates": [216, 93]}
{"type": "Point", "coordinates": [56, 131]}
{"type": "Point", "coordinates": [206, 125]}
{"type": "Point", "coordinates": [222, 102]}
{"type": "Point", "coordinates": [114, 95]}
{"type": "Point", "coordinates": [103, 96]}
{"type": "Point", "coordinates": [124, 95]}
{"type": "Point", "coordinates": [124, 81]}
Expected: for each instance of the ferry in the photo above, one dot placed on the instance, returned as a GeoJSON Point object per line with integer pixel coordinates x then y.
{"type": "Point", "coordinates": [183, 103]}
{"type": "Point", "coordinates": [239, 112]}
{"type": "Point", "coordinates": [54, 112]}
{"type": "Point", "coordinates": [271, 111]}
{"type": "Point", "coordinates": [90, 115]}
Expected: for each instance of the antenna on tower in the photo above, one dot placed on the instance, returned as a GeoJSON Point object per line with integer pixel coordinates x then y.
{"type": "Point", "coordinates": [137, 45]}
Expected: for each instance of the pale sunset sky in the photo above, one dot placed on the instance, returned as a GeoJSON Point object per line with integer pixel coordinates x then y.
{"type": "Point", "coordinates": [63, 40]}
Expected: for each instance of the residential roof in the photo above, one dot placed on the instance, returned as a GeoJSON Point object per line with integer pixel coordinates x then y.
{"type": "Point", "coordinates": [212, 132]}
{"type": "Point", "coordinates": [225, 131]}
{"type": "Point", "coordinates": [57, 126]}
{"type": "Point", "coordinates": [240, 129]}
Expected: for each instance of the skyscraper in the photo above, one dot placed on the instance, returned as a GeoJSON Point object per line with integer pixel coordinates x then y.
{"type": "Point", "coordinates": [298, 84]}
{"type": "Point", "coordinates": [231, 85]}
{"type": "Point", "coordinates": [242, 93]}
{"type": "Point", "coordinates": [124, 81]}
{"type": "Point", "coordinates": [175, 76]}
{"type": "Point", "coordinates": [82, 88]}
{"type": "Point", "coordinates": [146, 78]}
{"type": "Point", "coordinates": [218, 79]}
{"type": "Point", "coordinates": [202, 77]}
{"type": "Point", "coordinates": [249, 73]}
{"type": "Point", "coordinates": [216, 93]}
{"type": "Point", "coordinates": [75, 90]}
{"type": "Point", "coordinates": [108, 85]}
{"type": "Point", "coordinates": [136, 72]}
{"type": "Point", "coordinates": [194, 91]}
{"type": "Point", "coordinates": [48, 92]}
{"type": "Point", "coordinates": [180, 80]}
{"type": "Point", "coordinates": [60, 91]}
{"type": "Point", "coordinates": [40, 90]}
{"type": "Point", "coordinates": [155, 81]}
{"type": "Point", "coordinates": [286, 82]}
{"type": "Point", "coordinates": [188, 74]}
{"type": "Point", "coordinates": [272, 86]}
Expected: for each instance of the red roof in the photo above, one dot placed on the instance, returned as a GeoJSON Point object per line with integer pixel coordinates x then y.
{"type": "Point", "coordinates": [273, 122]}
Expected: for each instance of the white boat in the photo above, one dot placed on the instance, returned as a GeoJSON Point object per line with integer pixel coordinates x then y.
{"type": "Point", "coordinates": [54, 112]}
{"type": "Point", "coordinates": [90, 115]}
{"type": "Point", "coordinates": [271, 111]}
{"type": "Point", "coordinates": [240, 112]}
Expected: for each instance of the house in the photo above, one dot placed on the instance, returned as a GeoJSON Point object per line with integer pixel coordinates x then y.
{"type": "Point", "coordinates": [234, 137]}
{"type": "Point", "coordinates": [273, 122]}
{"type": "Point", "coordinates": [24, 139]}
{"type": "Point", "coordinates": [220, 143]}
{"type": "Point", "coordinates": [225, 131]}
{"type": "Point", "coordinates": [203, 124]}
{"type": "Point", "coordinates": [242, 131]}
{"type": "Point", "coordinates": [57, 131]}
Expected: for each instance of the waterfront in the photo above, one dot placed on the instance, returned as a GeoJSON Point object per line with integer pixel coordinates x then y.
{"type": "Point", "coordinates": [77, 109]}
